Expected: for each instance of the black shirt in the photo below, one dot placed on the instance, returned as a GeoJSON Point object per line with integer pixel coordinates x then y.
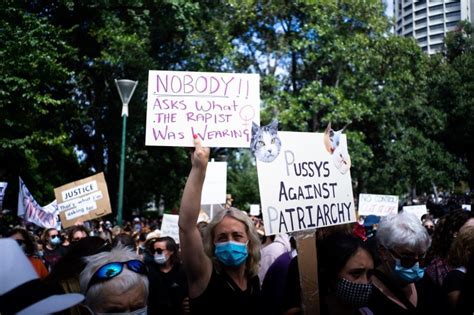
{"type": "Point", "coordinates": [223, 296]}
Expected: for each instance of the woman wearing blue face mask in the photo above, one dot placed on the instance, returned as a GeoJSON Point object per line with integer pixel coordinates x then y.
{"type": "Point", "coordinates": [222, 267]}
{"type": "Point", "coordinates": [400, 283]}
{"type": "Point", "coordinates": [53, 251]}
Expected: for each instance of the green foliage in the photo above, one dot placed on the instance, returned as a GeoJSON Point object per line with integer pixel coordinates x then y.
{"type": "Point", "coordinates": [319, 61]}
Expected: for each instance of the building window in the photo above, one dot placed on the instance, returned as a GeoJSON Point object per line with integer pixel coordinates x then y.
{"type": "Point", "coordinates": [422, 39]}
{"type": "Point", "coordinates": [437, 27]}
{"type": "Point", "coordinates": [456, 14]}
{"type": "Point", "coordinates": [437, 36]}
{"type": "Point", "coordinates": [436, 47]}
{"type": "Point", "coordinates": [436, 17]}
{"type": "Point", "coordinates": [452, 24]}
{"type": "Point", "coordinates": [451, 5]}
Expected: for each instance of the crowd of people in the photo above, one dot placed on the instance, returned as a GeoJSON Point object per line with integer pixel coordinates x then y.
{"type": "Point", "coordinates": [396, 264]}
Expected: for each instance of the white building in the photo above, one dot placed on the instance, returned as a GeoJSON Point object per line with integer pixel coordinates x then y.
{"type": "Point", "coordinates": [429, 21]}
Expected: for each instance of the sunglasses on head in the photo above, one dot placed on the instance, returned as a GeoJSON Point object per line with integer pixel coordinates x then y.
{"type": "Point", "coordinates": [113, 269]}
{"type": "Point", "coordinates": [408, 261]}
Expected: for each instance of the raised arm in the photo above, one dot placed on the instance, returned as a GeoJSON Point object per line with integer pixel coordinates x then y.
{"type": "Point", "coordinates": [197, 264]}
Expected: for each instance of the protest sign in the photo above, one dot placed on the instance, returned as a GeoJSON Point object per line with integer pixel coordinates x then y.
{"type": "Point", "coordinates": [3, 187]}
{"type": "Point", "coordinates": [379, 205]}
{"type": "Point", "coordinates": [466, 207]}
{"type": "Point", "coordinates": [255, 210]}
{"type": "Point", "coordinates": [217, 107]}
{"type": "Point", "coordinates": [215, 184]}
{"type": "Point", "coordinates": [303, 188]}
{"type": "Point", "coordinates": [169, 226]}
{"type": "Point", "coordinates": [419, 210]}
{"type": "Point", "coordinates": [83, 200]}
{"type": "Point", "coordinates": [31, 211]}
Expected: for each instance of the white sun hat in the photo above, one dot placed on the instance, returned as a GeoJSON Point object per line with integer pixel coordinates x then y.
{"type": "Point", "coordinates": [21, 291]}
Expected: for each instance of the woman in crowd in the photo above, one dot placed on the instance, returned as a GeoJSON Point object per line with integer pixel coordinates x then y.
{"type": "Point", "coordinates": [222, 269]}
{"type": "Point", "coordinates": [399, 285]}
{"type": "Point", "coordinates": [445, 231]}
{"type": "Point", "coordinates": [345, 268]}
{"type": "Point", "coordinates": [458, 259]}
{"type": "Point", "coordinates": [115, 282]}
{"type": "Point", "coordinates": [53, 250]}
{"type": "Point", "coordinates": [77, 232]}
{"type": "Point", "coordinates": [168, 283]}
{"type": "Point", "coordinates": [28, 245]}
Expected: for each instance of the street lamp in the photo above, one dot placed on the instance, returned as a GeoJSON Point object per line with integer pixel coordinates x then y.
{"type": "Point", "coordinates": [125, 89]}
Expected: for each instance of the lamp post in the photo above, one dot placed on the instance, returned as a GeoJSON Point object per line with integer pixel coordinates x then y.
{"type": "Point", "coordinates": [125, 89]}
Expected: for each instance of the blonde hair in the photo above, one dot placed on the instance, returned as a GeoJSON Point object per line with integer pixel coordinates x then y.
{"type": "Point", "coordinates": [253, 246]}
{"type": "Point", "coordinates": [462, 248]}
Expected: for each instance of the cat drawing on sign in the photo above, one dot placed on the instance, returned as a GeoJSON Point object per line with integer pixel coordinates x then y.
{"type": "Point", "coordinates": [338, 149]}
{"type": "Point", "coordinates": [265, 143]}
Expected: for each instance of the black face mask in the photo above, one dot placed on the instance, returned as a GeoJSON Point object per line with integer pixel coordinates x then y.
{"type": "Point", "coordinates": [430, 231]}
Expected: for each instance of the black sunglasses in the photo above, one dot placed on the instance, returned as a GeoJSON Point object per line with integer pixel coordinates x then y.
{"type": "Point", "coordinates": [113, 269]}
{"type": "Point", "coordinates": [159, 251]}
{"type": "Point", "coordinates": [408, 261]}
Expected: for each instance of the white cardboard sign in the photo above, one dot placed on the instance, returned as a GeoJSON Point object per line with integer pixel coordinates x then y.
{"type": "Point", "coordinates": [379, 205]}
{"type": "Point", "coordinates": [217, 107]}
{"type": "Point", "coordinates": [419, 210]}
{"type": "Point", "coordinates": [302, 189]}
{"type": "Point", "coordinates": [215, 185]}
{"type": "Point", "coordinates": [169, 226]}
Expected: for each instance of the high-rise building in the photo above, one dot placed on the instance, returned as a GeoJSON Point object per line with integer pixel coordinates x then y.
{"type": "Point", "coordinates": [429, 21]}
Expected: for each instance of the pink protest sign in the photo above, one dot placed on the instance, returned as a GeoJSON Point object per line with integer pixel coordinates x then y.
{"type": "Point", "coordinates": [217, 107]}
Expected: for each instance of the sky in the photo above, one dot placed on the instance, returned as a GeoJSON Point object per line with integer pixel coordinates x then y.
{"type": "Point", "coordinates": [389, 10]}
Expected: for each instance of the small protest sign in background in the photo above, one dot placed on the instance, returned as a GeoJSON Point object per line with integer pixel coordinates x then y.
{"type": "Point", "coordinates": [3, 187]}
{"type": "Point", "coordinates": [303, 188]}
{"type": "Point", "coordinates": [83, 200]}
{"type": "Point", "coordinates": [418, 210]}
{"type": "Point", "coordinates": [169, 226]}
{"type": "Point", "coordinates": [379, 205]}
{"type": "Point", "coordinates": [214, 189]}
{"type": "Point", "coordinates": [217, 107]}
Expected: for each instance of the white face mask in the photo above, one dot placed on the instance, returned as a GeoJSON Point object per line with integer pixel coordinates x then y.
{"type": "Point", "coordinates": [141, 311]}
{"type": "Point", "coordinates": [160, 259]}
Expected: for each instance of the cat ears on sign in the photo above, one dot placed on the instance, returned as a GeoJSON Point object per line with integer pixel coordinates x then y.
{"type": "Point", "coordinates": [272, 125]}
{"type": "Point", "coordinates": [331, 137]}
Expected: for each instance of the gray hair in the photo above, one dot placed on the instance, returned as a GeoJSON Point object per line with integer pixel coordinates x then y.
{"type": "Point", "coordinates": [126, 280]}
{"type": "Point", "coordinates": [253, 245]}
{"type": "Point", "coordinates": [403, 230]}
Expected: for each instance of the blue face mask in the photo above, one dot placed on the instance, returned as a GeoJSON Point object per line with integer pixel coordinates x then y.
{"type": "Point", "coordinates": [231, 253]}
{"type": "Point", "coordinates": [411, 274]}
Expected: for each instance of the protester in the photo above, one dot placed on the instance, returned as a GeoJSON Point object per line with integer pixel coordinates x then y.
{"type": "Point", "coordinates": [66, 272]}
{"type": "Point", "coordinates": [126, 240]}
{"type": "Point", "coordinates": [53, 250]}
{"type": "Point", "coordinates": [465, 304]}
{"type": "Point", "coordinates": [77, 232]}
{"type": "Point", "coordinates": [168, 283]}
{"type": "Point", "coordinates": [273, 286]}
{"type": "Point", "coordinates": [458, 259]}
{"type": "Point", "coordinates": [21, 291]}
{"type": "Point", "coordinates": [222, 269]}
{"type": "Point", "coordinates": [345, 266]}
{"type": "Point", "coordinates": [115, 282]}
{"type": "Point", "coordinates": [269, 253]}
{"type": "Point", "coordinates": [399, 283]}
{"type": "Point", "coordinates": [345, 269]}
{"type": "Point", "coordinates": [28, 245]}
{"type": "Point", "coordinates": [446, 229]}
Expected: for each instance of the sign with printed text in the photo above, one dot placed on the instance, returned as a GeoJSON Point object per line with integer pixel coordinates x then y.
{"type": "Point", "coordinates": [83, 200]}
{"type": "Point", "coordinates": [418, 210]}
{"type": "Point", "coordinates": [217, 107]}
{"type": "Point", "coordinates": [215, 184]}
{"type": "Point", "coordinates": [379, 205]}
{"type": "Point", "coordinates": [169, 226]}
{"type": "Point", "coordinates": [304, 187]}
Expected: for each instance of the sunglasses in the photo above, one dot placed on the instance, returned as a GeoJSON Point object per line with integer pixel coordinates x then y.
{"type": "Point", "coordinates": [408, 261]}
{"type": "Point", "coordinates": [113, 269]}
{"type": "Point", "coordinates": [20, 242]}
{"type": "Point", "coordinates": [158, 251]}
